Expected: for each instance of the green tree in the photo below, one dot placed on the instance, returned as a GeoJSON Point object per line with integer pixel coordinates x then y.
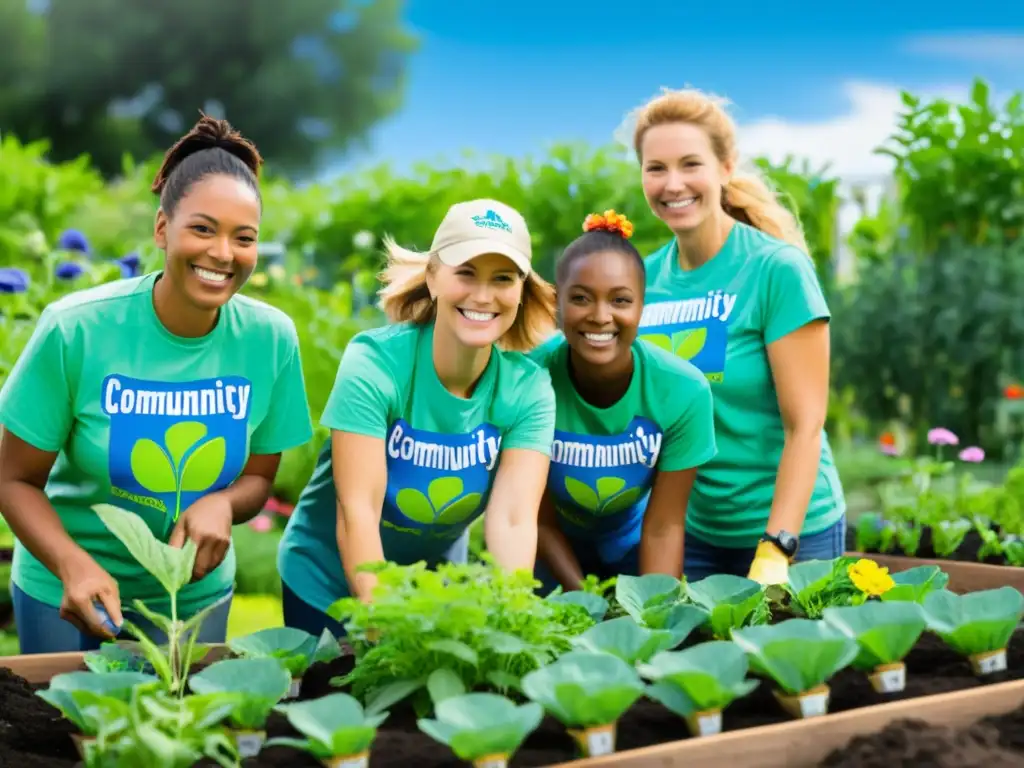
{"type": "Point", "coordinates": [303, 78]}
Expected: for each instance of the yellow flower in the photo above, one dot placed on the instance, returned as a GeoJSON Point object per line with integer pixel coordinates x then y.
{"type": "Point", "coordinates": [870, 578]}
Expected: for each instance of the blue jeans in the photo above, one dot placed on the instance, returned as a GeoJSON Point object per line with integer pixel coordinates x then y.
{"type": "Point", "coordinates": [703, 559]}
{"type": "Point", "coordinates": [42, 630]}
{"type": "Point", "coordinates": [299, 614]}
{"type": "Point", "coordinates": [590, 565]}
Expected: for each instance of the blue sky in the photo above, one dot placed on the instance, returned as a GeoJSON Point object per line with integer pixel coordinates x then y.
{"type": "Point", "coordinates": [510, 78]}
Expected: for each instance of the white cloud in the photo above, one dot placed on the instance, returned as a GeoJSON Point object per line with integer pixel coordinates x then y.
{"type": "Point", "coordinates": [846, 141]}
{"type": "Point", "coordinates": [994, 47]}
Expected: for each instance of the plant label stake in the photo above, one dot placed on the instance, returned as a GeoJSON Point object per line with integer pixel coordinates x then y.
{"type": "Point", "coordinates": [249, 743]}
{"type": "Point", "coordinates": [706, 723]}
{"type": "Point", "coordinates": [596, 741]}
{"type": "Point", "coordinates": [812, 703]}
{"type": "Point", "coordinates": [349, 761]}
{"type": "Point", "coordinates": [491, 761]}
{"type": "Point", "coordinates": [889, 678]}
{"type": "Point", "coordinates": [987, 663]}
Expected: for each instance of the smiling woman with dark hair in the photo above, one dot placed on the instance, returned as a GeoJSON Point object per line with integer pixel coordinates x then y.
{"type": "Point", "coordinates": [632, 423]}
{"type": "Point", "coordinates": [167, 395]}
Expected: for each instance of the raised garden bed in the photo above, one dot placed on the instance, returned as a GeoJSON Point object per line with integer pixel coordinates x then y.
{"type": "Point", "coordinates": [34, 735]}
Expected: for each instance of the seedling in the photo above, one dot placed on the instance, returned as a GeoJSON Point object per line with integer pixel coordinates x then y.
{"type": "Point", "coordinates": [588, 693]}
{"type": "Point", "coordinates": [800, 655]}
{"type": "Point", "coordinates": [172, 567]}
{"type": "Point", "coordinates": [977, 625]}
{"type": "Point", "coordinates": [257, 685]}
{"type": "Point", "coordinates": [483, 728]}
{"type": "Point", "coordinates": [622, 637]}
{"type": "Point", "coordinates": [700, 682]}
{"type": "Point", "coordinates": [731, 602]}
{"type": "Point", "coordinates": [338, 732]}
{"type": "Point", "coordinates": [914, 584]}
{"type": "Point", "coordinates": [885, 633]}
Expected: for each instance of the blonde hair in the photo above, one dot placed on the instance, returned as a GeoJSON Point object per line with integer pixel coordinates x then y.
{"type": "Point", "coordinates": [747, 198]}
{"type": "Point", "coordinates": [404, 297]}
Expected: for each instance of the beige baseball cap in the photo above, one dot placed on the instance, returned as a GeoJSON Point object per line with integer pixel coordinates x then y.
{"type": "Point", "coordinates": [477, 227]}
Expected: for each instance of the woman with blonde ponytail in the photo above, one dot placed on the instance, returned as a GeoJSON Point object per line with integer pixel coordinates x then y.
{"type": "Point", "coordinates": [735, 293]}
{"type": "Point", "coordinates": [436, 419]}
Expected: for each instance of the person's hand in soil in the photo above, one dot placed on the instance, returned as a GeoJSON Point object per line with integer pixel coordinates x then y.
{"type": "Point", "coordinates": [770, 566]}
{"type": "Point", "coordinates": [208, 523]}
{"type": "Point", "coordinates": [85, 584]}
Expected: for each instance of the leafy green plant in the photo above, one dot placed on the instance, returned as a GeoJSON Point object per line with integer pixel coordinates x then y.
{"type": "Point", "coordinates": [479, 726]}
{"type": "Point", "coordinates": [114, 657]}
{"type": "Point", "coordinates": [487, 626]}
{"type": "Point", "coordinates": [699, 682]}
{"type": "Point", "coordinates": [624, 638]}
{"type": "Point", "coordinates": [800, 655]}
{"type": "Point", "coordinates": [885, 633]}
{"type": "Point", "coordinates": [334, 726]}
{"type": "Point", "coordinates": [585, 690]}
{"type": "Point", "coordinates": [730, 601]}
{"type": "Point", "coordinates": [595, 605]}
{"type": "Point", "coordinates": [107, 689]}
{"type": "Point", "coordinates": [914, 584]}
{"type": "Point", "coordinates": [255, 685]}
{"type": "Point", "coordinates": [977, 625]}
{"type": "Point", "coordinates": [172, 567]}
{"type": "Point", "coordinates": [648, 598]}
{"type": "Point", "coordinates": [814, 585]}
{"type": "Point", "coordinates": [294, 649]}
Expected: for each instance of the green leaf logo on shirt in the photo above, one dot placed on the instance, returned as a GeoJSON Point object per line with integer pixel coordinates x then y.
{"type": "Point", "coordinates": [609, 497]}
{"type": "Point", "coordinates": [164, 468]}
{"type": "Point", "coordinates": [442, 505]}
{"type": "Point", "coordinates": [686, 344]}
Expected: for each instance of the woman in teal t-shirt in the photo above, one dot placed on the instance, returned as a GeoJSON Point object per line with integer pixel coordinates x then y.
{"type": "Point", "coordinates": [420, 414]}
{"type": "Point", "coordinates": [632, 423]}
{"type": "Point", "coordinates": [167, 395]}
{"type": "Point", "coordinates": [735, 293]}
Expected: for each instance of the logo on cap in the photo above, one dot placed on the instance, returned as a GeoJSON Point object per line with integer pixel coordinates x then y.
{"type": "Point", "coordinates": [491, 220]}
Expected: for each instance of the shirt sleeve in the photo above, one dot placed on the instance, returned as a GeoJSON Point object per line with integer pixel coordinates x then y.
{"type": "Point", "coordinates": [287, 423]}
{"type": "Point", "coordinates": [534, 428]}
{"type": "Point", "coordinates": [690, 439]}
{"type": "Point", "coordinates": [364, 391]}
{"type": "Point", "coordinates": [37, 399]}
{"type": "Point", "coordinates": [791, 295]}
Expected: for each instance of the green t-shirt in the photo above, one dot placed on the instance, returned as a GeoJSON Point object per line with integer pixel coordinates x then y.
{"type": "Point", "coordinates": [604, 460]}
{"type": "Point", "coordinates": [148, 421]}
{"type": "Point", "coordinates": [720, 317]}
{"type": "Point", "coordinates": [442, 451]}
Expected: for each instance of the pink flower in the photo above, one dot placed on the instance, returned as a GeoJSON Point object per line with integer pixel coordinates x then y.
{"type": "Point", "coordinates": [261, 523]}
{"type": "Point", "coordinates": [973, 454]}
{"type": "Point", "coordinates": [942, 436]}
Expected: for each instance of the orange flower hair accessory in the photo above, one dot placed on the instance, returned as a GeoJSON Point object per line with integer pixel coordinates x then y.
{"type": "Point", "coordinates": [609, 221]}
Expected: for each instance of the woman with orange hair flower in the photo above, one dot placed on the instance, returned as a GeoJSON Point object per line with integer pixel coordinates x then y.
{"type": "Point", "coordinates": [735, 293]}
{"type": "Point", "coordinates": [632, 422]}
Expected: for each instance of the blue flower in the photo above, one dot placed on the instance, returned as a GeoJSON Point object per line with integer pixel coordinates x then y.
{"type": "Point", "coordinates": [130, 265]}
{"type": "Point", "coordinates": [73, 240]}
{"type": "Point", "coordinates": [13, 280]}
{"type": "Point", "coordinates": [69, 270]}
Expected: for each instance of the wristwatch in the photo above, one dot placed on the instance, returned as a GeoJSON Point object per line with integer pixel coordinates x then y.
{"type": "Point", "coordinates": [786, 542]}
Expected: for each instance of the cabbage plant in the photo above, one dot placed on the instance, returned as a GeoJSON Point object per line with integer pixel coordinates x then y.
{"type": "Point", "coordinates": [335, 727]}
{"type": "Point", "coordinates": [885, 633]}
{"type": "Point", "coordinates": [587, 692]}
{"type": "Point", "coordinates": [914, 584]}
{"type": "Point", "coordinates": [977, 625]}
{"type": "Point", "coordinates": [624, 638]}
{"type": "Point", "coordinates": [256, 686]}
{"type": "Point", "coordinates": [482, 728]}
{"type": "Point", "coordinates": [730, 602]}
{"type": "Point", "coordinates": [700, 682]}
{"type": "Point", "coordinates": [295, 649]}
{"type": "Point", "coordinates": [800, 655]}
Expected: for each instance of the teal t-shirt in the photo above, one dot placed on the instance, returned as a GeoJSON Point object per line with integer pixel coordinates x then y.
{"type": "Point", "coordinates": [721, 317]}
{"type": "Point", "coordinates": [148, 421]}
{"type": "Point", "coordinates": [442, 452]}
{"type": "Point", "coordinates": [604, 460]}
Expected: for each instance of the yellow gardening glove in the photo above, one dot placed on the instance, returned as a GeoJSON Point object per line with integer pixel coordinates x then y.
{"type": "Point", "coordinates": [770, 566]}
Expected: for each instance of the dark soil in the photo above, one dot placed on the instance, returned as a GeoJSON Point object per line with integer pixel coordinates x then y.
{"type": "Point", "coordinates": [993, 742]}
{"type": "Point", "coordinates": [33, 735]}
{"type": "Point", "coordinates": [967, 552]}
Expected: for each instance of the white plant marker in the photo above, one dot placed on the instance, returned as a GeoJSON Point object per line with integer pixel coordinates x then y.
{"type": "Point", "coordinates": [889, 678]}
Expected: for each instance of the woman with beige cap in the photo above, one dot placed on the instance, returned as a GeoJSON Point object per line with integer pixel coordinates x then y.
{"type": "Point", "coordinates": [420, 414]}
